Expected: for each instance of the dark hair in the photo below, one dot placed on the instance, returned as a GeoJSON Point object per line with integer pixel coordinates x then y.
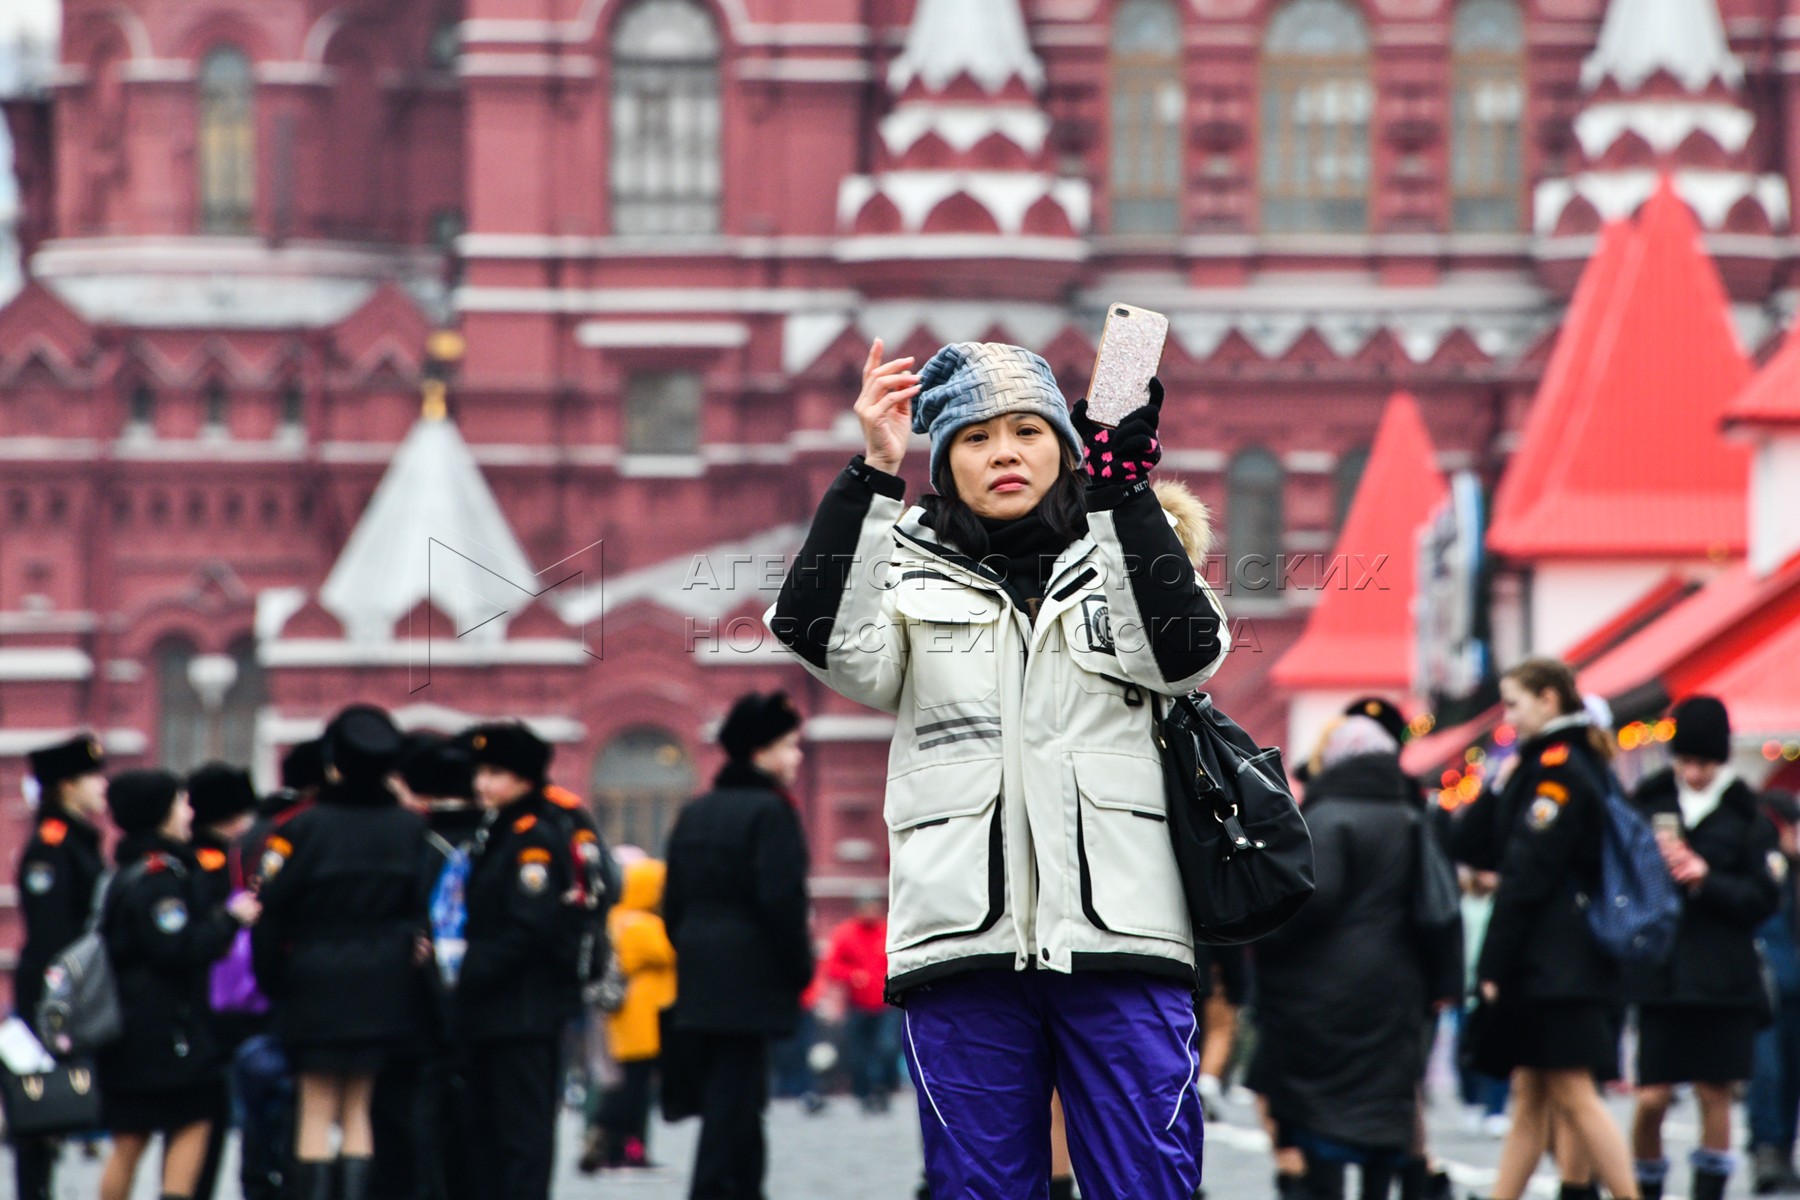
{"type": "Point", "coordinates": [1064, 508]}
{"type": "Point", "coordinates": [1538, 675]}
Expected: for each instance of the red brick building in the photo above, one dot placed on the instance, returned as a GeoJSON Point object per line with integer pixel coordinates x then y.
{"type": "Point", "coordinates": [665, 231]}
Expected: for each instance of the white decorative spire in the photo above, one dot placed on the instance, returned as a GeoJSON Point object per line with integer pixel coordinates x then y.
{"type": "Point", "coordinates": [433, 492]}
{"type": "Point", "coordinates": [1685, 38]}
{"type": "Point", "coordinates": [983, 39]}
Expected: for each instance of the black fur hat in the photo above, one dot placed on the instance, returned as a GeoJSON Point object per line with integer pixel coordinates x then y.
{"type": "Point", "coordinates": [755, 721]}
{"type": "Point", "coordinates": [511, 746]}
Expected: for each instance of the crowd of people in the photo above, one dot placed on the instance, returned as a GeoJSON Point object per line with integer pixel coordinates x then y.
{"type": "Point", "coordinates": [378, 967]}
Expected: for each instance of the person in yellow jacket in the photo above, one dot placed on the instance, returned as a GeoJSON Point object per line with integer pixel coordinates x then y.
{"type": "Point", "coordinates": [633, 1033]}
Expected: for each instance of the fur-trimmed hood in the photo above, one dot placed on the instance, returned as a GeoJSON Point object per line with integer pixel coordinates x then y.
{"type": "Point", "coordinates": [1190, 517]}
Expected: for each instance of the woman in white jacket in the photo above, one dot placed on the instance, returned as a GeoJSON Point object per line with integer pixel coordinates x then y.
{"type": "Point", "coordinates": [1022, 624]}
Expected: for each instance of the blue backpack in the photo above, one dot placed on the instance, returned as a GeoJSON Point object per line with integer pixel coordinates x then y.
{"type": "Point", "coordinates": [1638, 910]}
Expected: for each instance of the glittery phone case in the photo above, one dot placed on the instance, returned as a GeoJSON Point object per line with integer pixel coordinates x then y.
{"type": "Point", "coordinates": [1131, 346]}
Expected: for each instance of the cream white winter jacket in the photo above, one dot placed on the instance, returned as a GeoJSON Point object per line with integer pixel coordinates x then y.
{"type": "Point", "coordinates": [1025, 804]}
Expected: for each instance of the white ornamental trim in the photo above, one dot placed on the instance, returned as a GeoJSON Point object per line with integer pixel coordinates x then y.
{"type": "Point", "coordinates": [964, 126]}
{"type": "Point", "coordinates": [1618, 194]}
{"type": "Point", "coordinates": [1664, 125]}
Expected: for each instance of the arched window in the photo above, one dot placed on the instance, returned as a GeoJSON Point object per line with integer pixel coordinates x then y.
{"type": "Point", "coordinates": [1254, 519]}
{"type": "Point", "coordinates": [665, 119]}
{"type": "Point", "coordinates": [1147, 105]}
{"type": "Point", "coordinates": [641, 780]}
{"type": "Point", "coordinates": [140, 405]}
{"type": "Point", "coordinates": [1488, 79]}
{"type": "Point", "coordinates": [215, 402]}
{"type": "Point", "coordinates": [180, 719]}
{"type": "Point", "coordinates": [239, 706]}
{"type": "Point", "coordinates": [1345, 479]}
{"type": "Point", "coordinates": [206, 704]}
{"type": "Point", "coordinates": [1317, 105]}
{"type": "Point", "coordinates": [227, 142]}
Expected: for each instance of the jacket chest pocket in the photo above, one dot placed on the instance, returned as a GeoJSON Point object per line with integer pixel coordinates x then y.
{"type": "Point", "coordinates": [954, 641]}
{"type": "Point", "coordinates": [1128, 878]}
{"type": "Point", "coordinates": [947, 869]}
{"type": "Point", "coordinates": [1088, 641]}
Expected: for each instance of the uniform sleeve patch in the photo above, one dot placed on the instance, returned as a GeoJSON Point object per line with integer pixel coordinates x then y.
{"type": "Point", "coordinates": [171, 915]}
{"type": "Point", "coordinates": [53, 832]}
{"type": "Point", "coordinates": [534, 877]}
{"type": "Point", "coordinates": [1543, 813]}
{"type": "Point", "coordinates": [584, 836]}
{"type": "Point", "coordinates": [1555, 756]}
{"type": "Point", "coordinates": [535, 854]}
{"type": "Point", "coordinates": [275, 857]}
{"type": "Point", "coordinates": [210, 859]}
{"type": "Point", "coordinates": [40, 877]}
{"type": "Point", "coordinates": [1552, 790]}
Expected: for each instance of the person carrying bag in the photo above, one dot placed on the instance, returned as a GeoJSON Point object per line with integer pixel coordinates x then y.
{"type": "Point", "coordinates": [1016, 623]}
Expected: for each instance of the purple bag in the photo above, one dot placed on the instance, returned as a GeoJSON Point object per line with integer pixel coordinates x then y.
{"type": "Point", "coordinates": [234, 987]}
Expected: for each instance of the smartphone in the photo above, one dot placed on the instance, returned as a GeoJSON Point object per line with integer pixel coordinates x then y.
{"type": "Point", "coordinates": [1131, 346]}
{"type": "Point", "coordinates": [1666, 822]}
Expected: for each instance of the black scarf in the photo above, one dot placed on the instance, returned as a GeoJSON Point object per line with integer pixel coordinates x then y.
{"type": "Point", "coordinates": [1026, 550]}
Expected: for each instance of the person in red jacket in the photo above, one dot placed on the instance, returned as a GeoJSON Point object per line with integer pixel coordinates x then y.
{"type": "Point", "coordinates": [856, 963]}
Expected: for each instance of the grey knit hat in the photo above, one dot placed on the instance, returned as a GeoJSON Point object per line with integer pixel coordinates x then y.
{"type": "Point", "coordinates": [967, 383]}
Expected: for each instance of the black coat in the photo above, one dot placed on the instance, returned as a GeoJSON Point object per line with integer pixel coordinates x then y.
{"type": "Point", "coordinates": [163, 937]}
{"type": "Point", "coordinates": [1715, 960]}
{"type": "Point", "coordinates": [736, 908]}
{"type": "Point", "coordinates": [1344, 1000]}
{"type": "Point", "coordinates": [57, 875]}
{"type": "Point", "coordinates": [343, 908]}
{"type": "Point", "coordinates": [1542, 833]}
{"type": "Point", "coordinates": [519, 975]}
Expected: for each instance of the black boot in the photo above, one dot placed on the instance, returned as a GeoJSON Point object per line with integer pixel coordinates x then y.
{"type": "Point", "coordinates": [1290, 1187]}
{"type": "Point", "coordinates": [1770, 1170]}
{"type": "Point", "coordinates": [1324, 1180]}
{"type": "Point", "coordinates": [1650, 1189]}
{"type": "Point", "coordinates": [1581, 1191]}
{"type": "Point", "coordinates": [354, 1177]}
{"type": "Point", "coordinates": [1377, 1181]}
{"type": "Point", "coordinates": [313, 1180]}
{"type": "Point", "coordinates": [1063, 1188]}
{"type": "Point", "coordinates": [1710, 1185]}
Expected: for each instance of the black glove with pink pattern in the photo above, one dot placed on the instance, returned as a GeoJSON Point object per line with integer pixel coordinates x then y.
{"type": "Point", "coordinates": [1126, 454]}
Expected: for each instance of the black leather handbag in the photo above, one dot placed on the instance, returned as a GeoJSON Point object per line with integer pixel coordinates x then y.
{"type": "Point", "coordinates": [1242, 847]}
{"type": "Point", "coordinates": [65, 1099]}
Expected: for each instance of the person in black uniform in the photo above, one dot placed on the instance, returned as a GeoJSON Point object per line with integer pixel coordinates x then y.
{"type": "Point", "coordinates": [224, 804]}
{"type": "Point", "coordinates": [415, 1095]}
{"type": "Point", "coordinates": [1698, 1012]}
{"type": "Point", "coordinates": [259, 1074]}
{"type": "Point", "coordinates": [518, 985]}
{"type": "Point", "coordinates": [345, 918]}
{"type": "Point", "coordinates": [736, 909]}
{"type": "Point", "coordinates": [163, 933]}
{"type": "Point", "coordinates": [56, 879]}
{"type": "Point", "coordinates": [1547, 989]}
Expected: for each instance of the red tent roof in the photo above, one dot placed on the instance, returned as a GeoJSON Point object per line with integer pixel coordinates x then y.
{"type": "Point", "coordinates": [1355, 637]}
{"type": "Point", "coordinates": [1623, 456]}
{"type": "Point", "coordinates": [1717, 625]}
{"type": "Point", "coordinates": [1773, 397]}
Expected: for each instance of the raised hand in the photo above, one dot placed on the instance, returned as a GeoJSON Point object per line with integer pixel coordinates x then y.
{"type": "Point", "coordinates": [885, 409]}
{"type": "Point", "coordinates": [1125, 454]}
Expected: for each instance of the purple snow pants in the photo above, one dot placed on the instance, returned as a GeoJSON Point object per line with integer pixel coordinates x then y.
{"type": "Point", "coordinates": [1122, 1048]}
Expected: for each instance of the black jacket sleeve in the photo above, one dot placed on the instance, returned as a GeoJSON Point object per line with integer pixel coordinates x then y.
{"type": "Point", "coordinates": [1750, 896]}
{"type": "Point", "coordinates": [812, 594]}
{"type": "Point", "coordinates": [169, 923]}
{"type": "Point", "coordinates": [54, 896]}
{"type": "Point", "coordinates": [780, 860]}
{"type": "Point", "coordinates": [1178, 616]}
{"type": "Point", "coordinates": [1534, 870]}
{"type": "Point", "coordinates": [537, 923]}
